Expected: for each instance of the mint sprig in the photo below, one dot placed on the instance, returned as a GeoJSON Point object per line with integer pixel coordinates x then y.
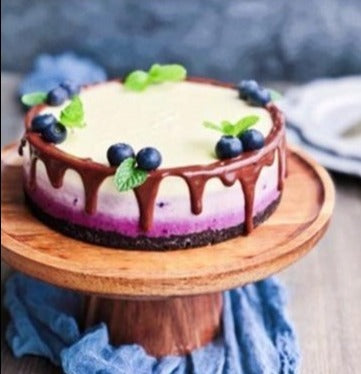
{"type": "Point", "coordinates": [139, 80]}
{"type": "Point", "coordinates": [73, 114]}
{"type": "Point", "coordinates": [167, 73]}
{"type": "Point", "coordinates": [34, 98]}
{"type": "Point", "coordinates": [128, 176]}
{"type": "Point", "coordinates": [233, 129]}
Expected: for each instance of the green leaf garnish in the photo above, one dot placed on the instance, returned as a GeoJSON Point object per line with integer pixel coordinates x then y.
{"type": "Point", "coordinates": [73, 114]}
{"type": "Point", "coordinates": [213, 126]}
{"type": "Point", "coordinates": [128, 176]}
{"type": "Point", "coordinates": [228, 128]}
{"type": "Point", "coordinates": [34, 98]}
{"type": "Point", "coordinates": [244, 124]}
{"type": "Point", "coordinates": [167, 73]}
{"type": "Point", "coordinates": [275, 95]}
{"type": "Point", "coordinates": [139, 80]}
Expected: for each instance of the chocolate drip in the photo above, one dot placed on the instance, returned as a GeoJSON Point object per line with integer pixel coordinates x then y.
{"type": "Point", "coordinates": [196, 187]}
{"type": "Point", "coordinates": [245, 169]}
{"type": "Point", "coordinates": [21, 146]}
{"type": "Point", "coordinates": [93, 181]}
{"type": "Point", "coordinates": [146, 195]}
{"type": "Point", "coordinates": [32, 181]}
{"type": "Point", "coordinates": [56, 168]}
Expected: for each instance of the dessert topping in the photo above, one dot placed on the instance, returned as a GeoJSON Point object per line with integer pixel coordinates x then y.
{"type": "Point", "coordinates": [73, 114]}
{"type": "Point", "coordinates": [149, 159]}
{"type": "Point", "coordinates": [49, 128]}
{"type": "Point", "coordinates": [42, 121]}
{"type": "Point", "coordinates": [228, 146]}
{"type": "Point", "coordinates": [72, 88]}
{"type": "Point", "coordinates": [251, 91]}
{"type": "Point", "coordinates": [133, 171]}
{"type": "Point", "coordinates": [252, 139]}
{"type": "Point", "coordinates": [128, 176]}
{"type": "Point", "coordinates": [34, 98]}
{"type": "Point", "coordinates": [238, 137]}
{"type": "Point", "coordinates": [55, 133]}
{"type": "Point", "coordinates": [117, 153]}
{"type": "Point", "coordinates": [55, 97]}
{"type": "Point", "coordinates": [234, 129]}
{"type": "Point", "coordinates": [139, 80]}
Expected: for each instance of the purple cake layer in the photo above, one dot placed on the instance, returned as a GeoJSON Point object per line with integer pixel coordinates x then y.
{"type": "Point", "coordinates": [125, 224]}
{"type": "Point", "coordinates": [116, 240]}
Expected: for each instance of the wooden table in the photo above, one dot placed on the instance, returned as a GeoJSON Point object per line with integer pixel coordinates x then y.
{"type": "Point", "coordinates": [324, 287]}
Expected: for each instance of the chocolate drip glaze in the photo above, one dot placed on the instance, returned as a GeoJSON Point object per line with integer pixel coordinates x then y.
{"type": "Point", "coordinates": [244, 169]}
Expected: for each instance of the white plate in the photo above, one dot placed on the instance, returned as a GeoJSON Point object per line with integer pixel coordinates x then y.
{"type": "Point", "coordinates": [325, 118]}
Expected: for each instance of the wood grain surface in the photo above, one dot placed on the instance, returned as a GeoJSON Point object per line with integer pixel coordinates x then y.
{"type": "Point", "coordinates": [324, 287]}
{"type": "Point", "coordinates": [298, 223]}
{"type": "Point", "coordinates": [170, 326]}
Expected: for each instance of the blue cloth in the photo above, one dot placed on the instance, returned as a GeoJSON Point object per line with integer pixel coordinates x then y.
{"type": "Point", "coordinates": [257, 335]}
{"type": "Point", "coordinates": [49, 71]}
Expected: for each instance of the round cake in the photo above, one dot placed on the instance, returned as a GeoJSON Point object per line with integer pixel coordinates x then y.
{"type": "Point", "coordinates": [190, 179]}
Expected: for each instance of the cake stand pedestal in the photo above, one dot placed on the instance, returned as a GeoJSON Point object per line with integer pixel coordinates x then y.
{"type": "Point", "coordinates": [169, 302]}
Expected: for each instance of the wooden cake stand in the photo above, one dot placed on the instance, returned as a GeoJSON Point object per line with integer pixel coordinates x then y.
{"type": "Point", "coordinates": [169, 302]}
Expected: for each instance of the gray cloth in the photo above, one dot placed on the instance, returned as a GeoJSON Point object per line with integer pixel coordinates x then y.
{"type": "Point", "coordinates": [280, 39]}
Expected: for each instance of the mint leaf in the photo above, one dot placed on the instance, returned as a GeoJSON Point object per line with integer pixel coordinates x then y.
{"type": "Point", "coordinates": [73, 114]}
{"type": "Point", "coordinates": [227, 127]}
{"type": "Point", "coordinates": [244, 124]}
{"type": "Point", "coordinates": [34, 98]}
{"type": "Point", "coordinates": [167, 73]}
{"type": "Point", "coordinates": [275, 95]}
{"type": "Point", "coordinates": [213, 126]}
{"type": "Point", "coordinates": [127, 176]}
{"type": "Point", "coordinates": [137, 80]}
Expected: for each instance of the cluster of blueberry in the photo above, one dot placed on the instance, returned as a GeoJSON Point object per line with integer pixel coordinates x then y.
{"type": "Point", "coordinates": [147, 158]}
{"type": "Point", "coordinates": [50, 129]}
{"type": "Point", "coordinates": [253, 93]}
{"type": "Point", "coordinates": [58, 95]}
{"type": "Point", "coordinates": [231, 146]}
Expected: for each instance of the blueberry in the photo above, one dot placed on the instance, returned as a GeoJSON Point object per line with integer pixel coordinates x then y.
{"type": "Point", "coordinates": [57, 96]}
{"type": "Point", "coordinates": [117, 153]}
{"type": "Point", "coordinates": [42, 121]}
{"type": "Point", "coordinates": [55, 133]}
{"type": "Point", "coordinates": [71, 88]}
{"type": "Point", "coordinates": [260, 97]}
{"type": "Point", "coordinates": [228, 146]}
{"type": "Point", "coordinates": [252, 140]}
{"type": "Point", "coordinates": [149, 158]}
{"type": "Point", "coordinates": [247, 86]}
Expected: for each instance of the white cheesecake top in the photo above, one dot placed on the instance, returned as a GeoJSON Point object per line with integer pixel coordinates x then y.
{"type": "Point", "coordinates": [167, 116]}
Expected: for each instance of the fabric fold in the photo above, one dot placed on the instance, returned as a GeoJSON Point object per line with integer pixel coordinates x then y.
{"type": "Point", "coordinates": [257, 337]}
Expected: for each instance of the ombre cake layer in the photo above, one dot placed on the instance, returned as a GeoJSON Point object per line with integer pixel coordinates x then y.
{"type": "Point", "coordinates": [197, 199]}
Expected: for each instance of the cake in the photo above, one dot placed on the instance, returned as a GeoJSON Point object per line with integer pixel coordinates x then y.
{"type": "Point", "coordinates": [188, 179]}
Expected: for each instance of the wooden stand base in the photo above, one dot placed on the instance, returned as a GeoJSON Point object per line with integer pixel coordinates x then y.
{"type": "Point", "coordinates": [149, 297]}
{"type": "Point", "coordinates": [166, 326]}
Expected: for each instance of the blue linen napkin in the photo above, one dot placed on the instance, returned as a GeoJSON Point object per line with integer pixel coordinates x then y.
{"type": "Point", "coordinates": [50, 70]}
{"type": "Point", "coordinates": [257, 336]}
